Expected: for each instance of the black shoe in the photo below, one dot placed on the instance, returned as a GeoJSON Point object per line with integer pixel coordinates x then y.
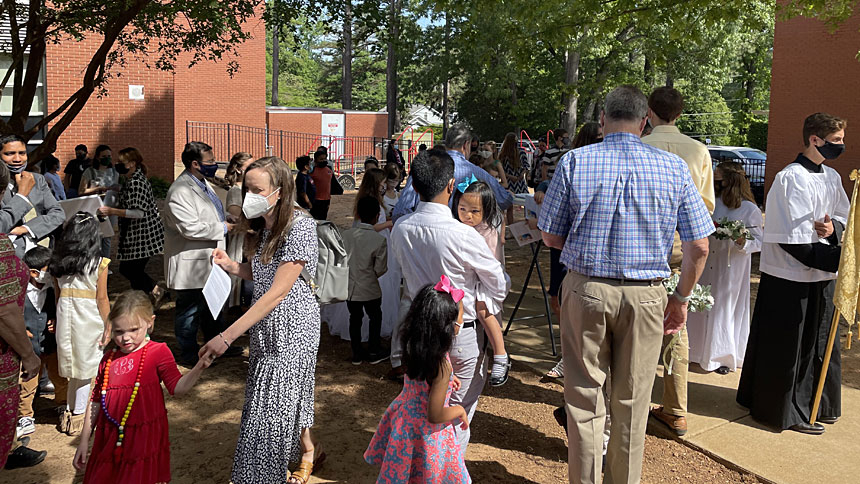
{"type": "Point", "coordinates": [377, 357]}
{"type": "Point", "coordinates": [723, 370]}
{"type": "Point", "coordinates": [828, 420]}
{"type": "Point", "coordinates": [499, 381]}
{"type": "Point", "coordinates": [24, 457]}
{"type": "Point", "coordinates": [805, 428]}
{"type": "Point", "coordinates": [561, 417]}
{"type": "Point", "coordinates": [357, 360]}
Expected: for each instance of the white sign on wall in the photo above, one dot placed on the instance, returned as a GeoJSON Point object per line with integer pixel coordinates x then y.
{"type": "Point", "coordinates": [333, 129]}
{"type": "Point", "coordinates": [135, 92]}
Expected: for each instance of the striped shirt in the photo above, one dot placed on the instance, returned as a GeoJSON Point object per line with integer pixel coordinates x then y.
{"type": "Point", "coordinates": [618, 203]}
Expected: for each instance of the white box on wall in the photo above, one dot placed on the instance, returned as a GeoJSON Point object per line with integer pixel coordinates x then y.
{"type": "Point", "coordinates": [135, 92]}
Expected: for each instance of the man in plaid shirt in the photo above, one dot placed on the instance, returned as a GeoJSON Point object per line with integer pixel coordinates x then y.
{"type": "Point", "coordinates": [613, 208]}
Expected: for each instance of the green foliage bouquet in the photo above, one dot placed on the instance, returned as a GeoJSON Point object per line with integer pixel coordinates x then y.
{"type": "Point", "coordinates": [733, 230]}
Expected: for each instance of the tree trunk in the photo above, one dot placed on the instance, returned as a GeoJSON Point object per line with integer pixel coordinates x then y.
{"type": "Point", "coordinates": [445, 107]}
{"type": "Point", "coordinates": [346, 103]}
{"type": "Point", "coordinates": [571, 97]}
{"type": "Point", "coordinates": [648, 72]}
{"type": "Point", "coordinates": [276, 63]}
{"type": "Point", "coordinates": [391, 68]}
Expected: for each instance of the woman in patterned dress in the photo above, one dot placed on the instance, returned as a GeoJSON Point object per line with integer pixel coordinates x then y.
{"type": "Point", "coordinates": [284, 327]}
{"type": "Point", "coordinates": [516, 166]}
{"type": "Point", "coordinates": [141, 232]}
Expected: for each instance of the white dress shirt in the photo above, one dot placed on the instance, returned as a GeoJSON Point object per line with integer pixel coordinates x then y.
{"type": "Point", "coordinates": [430, 242]}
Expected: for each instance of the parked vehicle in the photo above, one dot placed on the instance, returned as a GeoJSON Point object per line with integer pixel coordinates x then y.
{"type": "Point", "coordinates": [753, 161]}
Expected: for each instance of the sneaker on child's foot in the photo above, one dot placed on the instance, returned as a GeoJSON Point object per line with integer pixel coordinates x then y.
{"type": "Point", "coordinates": [357, 360]}
{"type": "Point", "coordinates": [26, 426]}
{"type": "Point", "coordinates": [499, 371]}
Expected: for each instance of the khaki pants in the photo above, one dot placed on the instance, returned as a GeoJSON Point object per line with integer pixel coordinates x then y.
{"type": "Point", "coordinates": [608, 326]}
{"type": "Point", "coordinates": [675, 385]}
{"type": "Point", "coordinates": [28, 388]}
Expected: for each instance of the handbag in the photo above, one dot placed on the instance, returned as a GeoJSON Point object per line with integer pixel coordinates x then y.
{"type": "Point", "coordinates": [336, 189]}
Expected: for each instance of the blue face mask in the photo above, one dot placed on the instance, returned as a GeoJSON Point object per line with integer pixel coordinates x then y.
{"type": "Point", "coordinates": [17, 170]}
{"type": "Point", "coordinates": [208, 170]}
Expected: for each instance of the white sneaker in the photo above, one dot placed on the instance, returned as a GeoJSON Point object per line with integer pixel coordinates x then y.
{"type": "Point", "coordinates": [26, 426]}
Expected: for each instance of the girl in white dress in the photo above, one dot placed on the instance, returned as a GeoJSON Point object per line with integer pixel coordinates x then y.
{"type": "Point", "coordinates": [82, 329]}
{"type": "Point", "coordinates": [718, 338]}
{"type": "Point", "coordinates": [336, 315]}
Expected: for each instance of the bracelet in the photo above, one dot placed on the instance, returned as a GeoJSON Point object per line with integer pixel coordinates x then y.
{"type": "Point", "coordinates": [683, 299]}
{"type": "Point", "coordinates": [224, 339]}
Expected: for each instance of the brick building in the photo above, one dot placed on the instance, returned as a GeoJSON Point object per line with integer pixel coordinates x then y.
{"type": "Point", "coordinates": [155, 124]}
{"type": "Point", "coordinates": [813, 70]}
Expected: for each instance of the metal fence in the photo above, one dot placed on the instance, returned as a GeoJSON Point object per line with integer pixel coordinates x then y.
{"type": "Point", "coordinates": [347, 154]}
{"type": "Point", "coordinates": [754, 169]}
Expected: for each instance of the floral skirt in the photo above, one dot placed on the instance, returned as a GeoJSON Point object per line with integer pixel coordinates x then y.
{"type": "Point", "coordinates": [9, 371]}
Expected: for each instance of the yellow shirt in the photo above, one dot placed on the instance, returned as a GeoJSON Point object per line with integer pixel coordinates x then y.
{"type": "Point", "coordinates": [669, 138]}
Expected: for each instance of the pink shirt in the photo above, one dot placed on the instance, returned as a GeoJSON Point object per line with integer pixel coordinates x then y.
{"type": "Point", "coordinates": [491, 236]}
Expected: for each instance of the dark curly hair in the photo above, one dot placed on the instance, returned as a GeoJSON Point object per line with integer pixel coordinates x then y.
{"type": "Point", "coordinates": [78, 250]}
{"type": "Point", "coordinates": [428, 333]}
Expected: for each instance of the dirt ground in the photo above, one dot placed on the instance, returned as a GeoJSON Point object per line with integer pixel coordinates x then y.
{"type": "Point", "coordinates": [514, 439]}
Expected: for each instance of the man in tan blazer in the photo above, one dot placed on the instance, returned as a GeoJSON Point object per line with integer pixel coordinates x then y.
{"type": "Point", "coordinates": [194, 225]}
{"type": "Point", "coordinates": [664, 108]}
{"type": "Point", "coordinates": [368, 261]}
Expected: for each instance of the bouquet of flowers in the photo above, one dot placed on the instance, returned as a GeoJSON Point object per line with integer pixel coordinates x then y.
{"type": "Point", "coordinates": [733, 230]}
{"type": "Point", "coordinates": [701, 300]}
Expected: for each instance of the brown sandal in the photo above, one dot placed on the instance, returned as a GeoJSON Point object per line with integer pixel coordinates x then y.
{"type": "Point", "coordinates": [305, 469]}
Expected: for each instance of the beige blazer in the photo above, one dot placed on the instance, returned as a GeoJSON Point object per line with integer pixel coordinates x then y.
{"type": "Point", "coordinates": [368, 261]}
{"type": "Point", "coordinates": [192, 229]}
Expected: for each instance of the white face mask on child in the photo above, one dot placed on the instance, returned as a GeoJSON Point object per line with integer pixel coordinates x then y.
{"type": "Point", "coordinates": [256, 205]}
{"type": "Point", "coordinates": [43, 277]}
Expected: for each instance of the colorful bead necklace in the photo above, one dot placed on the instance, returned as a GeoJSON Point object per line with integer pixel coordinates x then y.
{"type": "Point", "coordinates": [121, 424]}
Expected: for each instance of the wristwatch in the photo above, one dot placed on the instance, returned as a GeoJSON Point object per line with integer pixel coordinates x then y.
{"type": "Point", "coordinates": [681, 298]}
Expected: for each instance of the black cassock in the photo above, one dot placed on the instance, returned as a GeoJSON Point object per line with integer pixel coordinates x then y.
{"type": "Point", "coordinates": [788, 338]}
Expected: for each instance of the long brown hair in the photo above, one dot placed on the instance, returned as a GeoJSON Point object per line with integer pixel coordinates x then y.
{"type": "Point", "coordinates": [281, 177]}
{"type": "Point", "coordinates": [370, 184]}
{"type": "Point", "coordinates": [736, 187]}
{"type": "Point", "coordinates": [509, 152]}
{"type": "Point", "coordinates": [234, 168]}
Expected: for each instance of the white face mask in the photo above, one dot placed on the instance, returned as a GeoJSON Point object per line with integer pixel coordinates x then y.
{"type": "Point", "coordinates": [256, 205]}
{"type": "Point", "coordinates": [43, 277]}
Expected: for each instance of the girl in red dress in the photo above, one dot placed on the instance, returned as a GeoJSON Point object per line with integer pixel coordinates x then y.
{"type": "Point", "coordinates": [127, 410]}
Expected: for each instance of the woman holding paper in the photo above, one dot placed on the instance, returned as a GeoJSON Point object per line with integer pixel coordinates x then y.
{"type": "Point", "coordinates": [284, 326]}
{"type": "Point", "coordinates": [141, 232]}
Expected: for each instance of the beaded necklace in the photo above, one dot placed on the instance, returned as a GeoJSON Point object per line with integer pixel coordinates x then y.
{"type": "Point", "coordinates": [121, 424]}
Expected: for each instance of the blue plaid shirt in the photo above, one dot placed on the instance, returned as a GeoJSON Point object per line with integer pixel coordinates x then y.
{"type": "Point", "coordinates": [462, 169]}
{"type": "Point", "coordinates": [618, 203]}
{"type": "Point", "coordinates": [219, 207]}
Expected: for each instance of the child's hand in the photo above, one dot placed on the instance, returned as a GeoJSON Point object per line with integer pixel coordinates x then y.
{"type": "Point", "coordinates": [51, 326]}
{"type": "Point", "coordinates": [104, 339]}
{"type": "Point", "coordinates": [29, 334]}
{"type": "Point", "coordinates": [464, 418]}
{"type": "Point", "coordinates": [455, 383]}
{"type": "Point", "coordinates": [81, 456]}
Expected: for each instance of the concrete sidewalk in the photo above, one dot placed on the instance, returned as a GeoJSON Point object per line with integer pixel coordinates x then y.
{"type": "Point", "coordinates": [717, 424]}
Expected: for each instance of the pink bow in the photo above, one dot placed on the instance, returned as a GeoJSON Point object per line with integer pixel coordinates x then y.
{"type": "Point", "coordinates": [444, 285]}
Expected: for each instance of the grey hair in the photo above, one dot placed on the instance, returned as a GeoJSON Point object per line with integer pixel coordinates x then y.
{"type": "Point", "coordinates": [625, 103]}
{"type": "Point", "coordinates": [457, 136]}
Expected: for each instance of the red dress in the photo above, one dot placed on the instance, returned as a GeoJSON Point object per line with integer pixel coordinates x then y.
{"type": "Point", "coordinates": [145, 457]}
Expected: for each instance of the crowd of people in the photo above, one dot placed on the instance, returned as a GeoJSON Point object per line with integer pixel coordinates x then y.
{"type": "Point", "coordinates": [427, 269]}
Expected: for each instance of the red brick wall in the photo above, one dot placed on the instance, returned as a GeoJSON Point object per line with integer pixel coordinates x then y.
{"type": "Point", "coordinates": [813, 71]}
{"type": "Point", "coordinates": [375, 124]}
{"type": "Point", "coordinates": [295, 121]}
{"type": "Point", "coordinates": [114, 120]}
{"type": "Point", "coordinates": [206, 92]}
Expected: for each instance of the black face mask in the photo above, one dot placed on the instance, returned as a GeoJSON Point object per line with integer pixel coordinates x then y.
{"type": "Point", "coordinates": [105, 161]}
{"type": "Point", "coordinates": [121, 169]}
{"type": "Point", "coordinates": [830, 151]}
{"type": "Point", "coordinates": [81, 156]}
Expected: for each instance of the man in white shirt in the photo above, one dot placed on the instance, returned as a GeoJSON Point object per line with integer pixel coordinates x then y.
{"type": "Point", "coordinates": [429, 243]}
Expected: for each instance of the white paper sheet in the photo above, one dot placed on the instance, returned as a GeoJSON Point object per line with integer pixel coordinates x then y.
{"type": "Point", "coordinates": [89, 204]}
{"type": "Point", "coordinates": [217, 290]}
{"type": "Point", "coordinates": [523, 234]}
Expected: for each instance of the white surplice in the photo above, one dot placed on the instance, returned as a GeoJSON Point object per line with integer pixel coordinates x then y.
{"type": "Point", "coordinates": [336, 315]}
{"type": "Point", "coordinates": [719, 337]}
